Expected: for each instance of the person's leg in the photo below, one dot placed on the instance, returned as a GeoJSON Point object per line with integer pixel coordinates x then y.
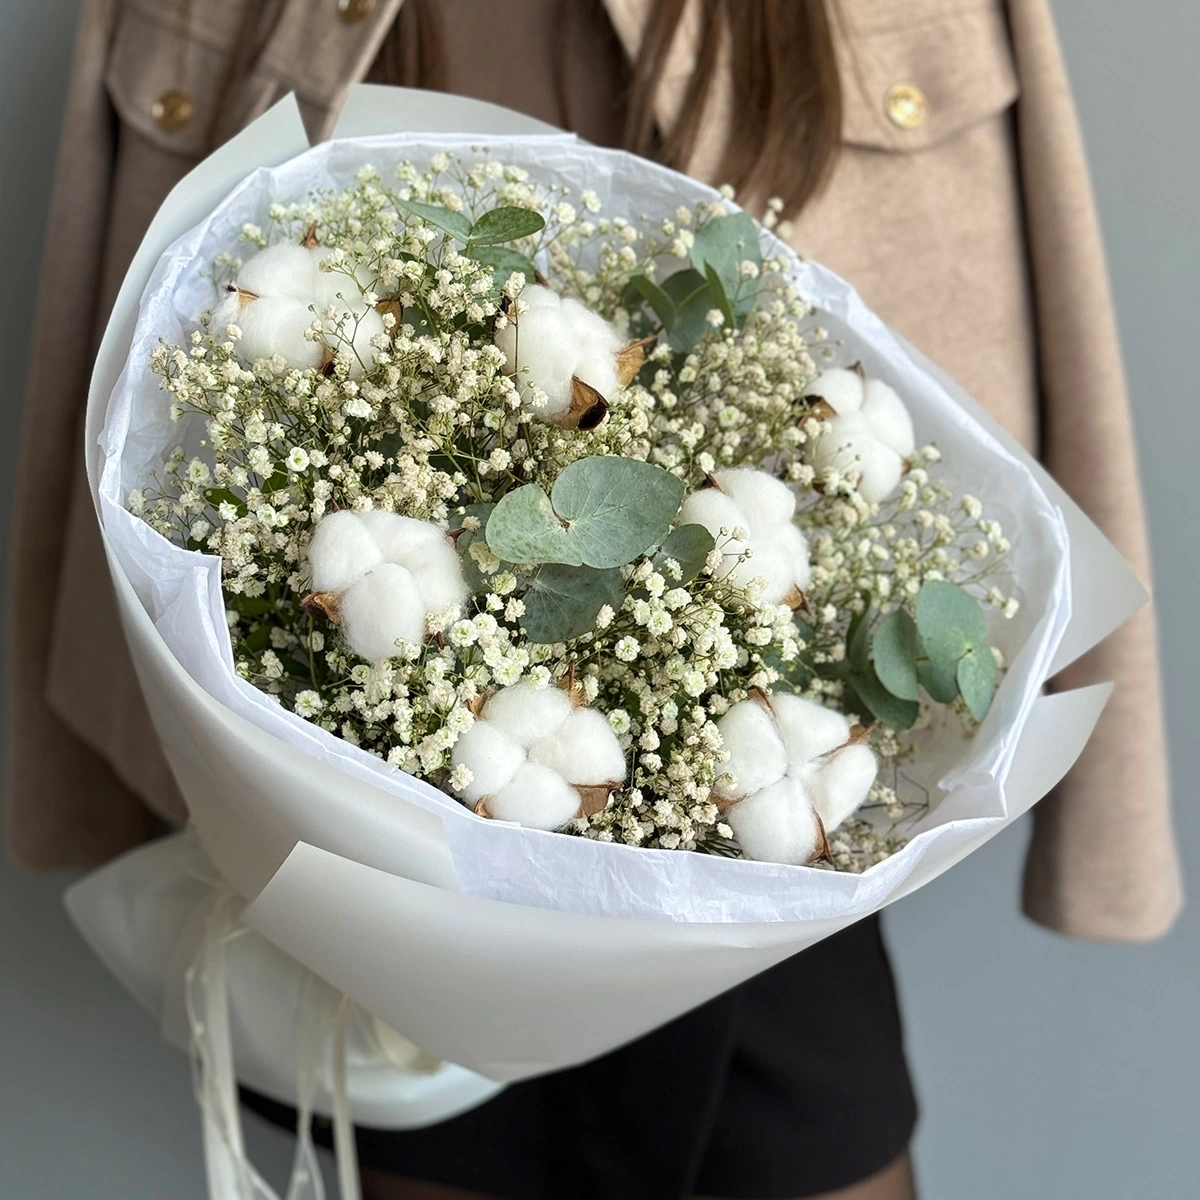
{"type": "Point", "coordinates": [894, 1182]}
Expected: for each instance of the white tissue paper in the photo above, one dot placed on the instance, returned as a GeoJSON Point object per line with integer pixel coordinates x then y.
{"type": "Point", "coordinates": [398, 895]}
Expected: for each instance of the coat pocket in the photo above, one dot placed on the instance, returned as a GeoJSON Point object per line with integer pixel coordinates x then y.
{"type": "Point", "coordinates": [168, 66]}
{"type": "Point", "coordinates": [917, 72]}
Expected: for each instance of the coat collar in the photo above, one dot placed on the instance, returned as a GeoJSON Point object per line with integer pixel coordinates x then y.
{"type": "Point", "coordinates": [317, 54]}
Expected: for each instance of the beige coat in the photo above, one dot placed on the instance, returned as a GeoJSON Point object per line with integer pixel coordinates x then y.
{"type": "Point", "coordinates": [964, 216]}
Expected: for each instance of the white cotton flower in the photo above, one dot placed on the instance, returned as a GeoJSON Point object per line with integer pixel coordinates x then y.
{"type": "Point", "coordinates": [280, 292]}
{"type": "Point", "coordinates": [381, 575]}
{"type": "Point", "coordinates": [762, 507]}
{"type": "Point", "coordinates": [536, 757]}
{"type": "Point", "coordinates": [793, 774]}
{"type": "Point", "coordinates": [870, 435]}
{"type": "Point", "coordinates": [555, 344]}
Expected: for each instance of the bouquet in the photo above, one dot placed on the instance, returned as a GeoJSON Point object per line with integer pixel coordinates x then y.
{"type": "Point", "coordinates": [546, 582]}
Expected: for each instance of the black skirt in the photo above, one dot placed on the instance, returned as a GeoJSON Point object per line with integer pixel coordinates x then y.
{"type": "Point", "coordinates": [790, 1085]}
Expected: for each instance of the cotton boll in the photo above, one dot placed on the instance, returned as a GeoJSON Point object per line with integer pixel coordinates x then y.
{"type": "Point", "coordinates": [583, 750]}
{"type": "Point", "coordinates": [384, 607]}
{"type": "Point", "coordinates": [756, 754]}
{"type": "Point", "coordinates": [714, 510]}
{"type": "Point", "coordinates": [777, 824]}
{"type": "Point", "coordinates": [274, 325]}
{"type": "Point", "coordinates": [535, 797]}
{"type": "Point", "coordinates": [880, 470]}
{"type": "Point", "coordinates": [526, 713]}
{"type": "Point", "coordinates": [794, 545]}
{"type": "Point", "coordinates": [888, 417]}
{"type": "Point", "coordinates": [491, 757]}
{"type": "Point", "coordinates": [773, 564]}
{"type": "Point", "coordinates": [327, 284]}
{"type": "Point", "coordinates": [228, 312]}
{"type": "Point", "coordinates": [842, 783]}
{"type": "Point", "coordinates": [398, 536]}
{"type": "Point", "coordinates": [342, 550]}
{"type": "Point", "coordinates": [438, 572]}
{"type": "Point", "coordinates": [554, 342]}
{"type": "Point", "coordinates": [283, 271]}
{"type": "Point", "coordinates": [840, 388]}
{"type": "Point", "coordinates": [806, 728]}
{"type": "Point", "coordinates": [763, 501]}
{"type": "Point", "coordinates": [870, 433]}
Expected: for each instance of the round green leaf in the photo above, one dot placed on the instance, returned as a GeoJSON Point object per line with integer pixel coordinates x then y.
{"type": "Point", "coordinates": [950, 622]}
{"type": "Point", "coordinates": [505, 224]}
{"type": "Point", "coordinates": [562, 602]}
{"type": "Point", "coordinates": [441, 217]}
{"type": "Point", "coordinates": [895, 646]}
{"type": "Point", "coordinates": [503, 262]}
{"type": "Point", "coordinates": [688, 291]}
{"type": "Point", "coordinates": [615, 509]}
{"type": "Point", "coordinates": [976, 680]}
{"type": "Point", "coordinates": [723, 244]}
{"type": "Point", "coordinates": [524, 529]}
{"type": "Point", "coordinates": [689, 546]}
{"type": "Point", "coordinates": [940, 682]}
{"type": "Point", "coordinates": [641, 288]}
{"type": "Point", "coordinates": [880, 703]}
{"type": "Point", "coordinates": [858, 641]}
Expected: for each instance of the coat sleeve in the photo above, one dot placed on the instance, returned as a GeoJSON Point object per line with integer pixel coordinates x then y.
{"type": "Point", "coordinates": [1102, 862]}
{"type": "Point", "coordinates": [65, 805]}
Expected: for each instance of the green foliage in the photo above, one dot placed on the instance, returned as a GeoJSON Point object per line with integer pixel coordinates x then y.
{"type": "Point", "coordinates": [689, 546]}
{"type": "Point", "coordinates": [940, 682]}
{"type": "Point", "coordinates": [895, 651]}
{"type": "Point", "coordinates": [642, 289]}
{"type": "Point", "coordinates": [441, 217]}
{"type": "Point", "coordinates": [720, 299]}
{"type": "Point", "coordinates": [953, 632]}
{"type": "Point", "coordinates": [688, 291]}
{"type": "Point", "coordinates": [879, 702]}
{"type": "Point", "coordinates": [505, 224]}
{"type": "Point", "coordinates": [503, 262]}
{"type": "Point", "coordinates": [602, 512]}
{"type": "Point", "coordinates": [476, 580]}
{"type": "Point", "coordinates": [562, 602]}
{"type": "Point", "coordinates": [722, 245]}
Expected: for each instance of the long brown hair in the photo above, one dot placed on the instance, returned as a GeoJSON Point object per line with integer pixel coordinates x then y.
{"type": "Point", "coordinates": [784, 83]}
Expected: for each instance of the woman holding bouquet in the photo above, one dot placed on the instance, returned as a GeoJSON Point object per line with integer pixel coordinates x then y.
{"type": "Point", "coordinates": [927, 152]}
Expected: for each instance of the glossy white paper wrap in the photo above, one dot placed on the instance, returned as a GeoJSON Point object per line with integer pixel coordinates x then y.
{"type": "Point", "coordinates": [507, 950]}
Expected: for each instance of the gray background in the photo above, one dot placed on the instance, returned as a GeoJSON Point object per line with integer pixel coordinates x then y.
{"type": "Point", "coordinates": [1047, 1068]}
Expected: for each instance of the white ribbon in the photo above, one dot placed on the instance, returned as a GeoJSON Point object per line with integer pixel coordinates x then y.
{"type": "Point", "coordinates": [231, 1176]}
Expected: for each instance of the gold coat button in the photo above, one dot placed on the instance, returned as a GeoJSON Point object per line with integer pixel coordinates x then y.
{"type": "Point", "coordinates": [906, 105]}
{"type": "Point", "coordinates": [355, 10]}
{"type": "Point", "coordinates": [172, 110]}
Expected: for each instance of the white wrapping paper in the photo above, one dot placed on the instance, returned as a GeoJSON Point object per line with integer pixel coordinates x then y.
{"type": "Point", "coordinates": [507, 950]}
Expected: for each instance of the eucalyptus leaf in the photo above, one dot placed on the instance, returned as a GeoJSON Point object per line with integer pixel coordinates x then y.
{"type": "Point", "coordinates": [950, 622]}
{"type": "Point", "coordinates": [503, 262]}
{"type": "Point", "coordinates": [895, 650]}
{"type": "Point", "coordinates": [523, 528]}
{"type": "Point", "coordinates": [724, 243]}
{"type": "Point", "coordinates": [476, 580]}
{"type": "Point", "coordinates": [940, 682]}
{"type": "Point", "coordinates": [976, 680]}
{"type": "Point", "coordinates": [454, 223]}
{"type": "Point", "coordinates": [858, 640]}
{"type": "Point", "coordinates": [688, 291]}
{"type": "Point", "coordinates": [654, 296]}
{"type": "Point", "coordinates": [720, 300]}
{"type": "Point", "coordinates": [615, 508]}
{"type": "Point", "coordinates": [882, 705]}
{"type": "Point", "coordinates": [689, 546]}
{"type": "Point", "coordinates": [505, 224]}
{"type": "Point", "coordinates": [562, 602]}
